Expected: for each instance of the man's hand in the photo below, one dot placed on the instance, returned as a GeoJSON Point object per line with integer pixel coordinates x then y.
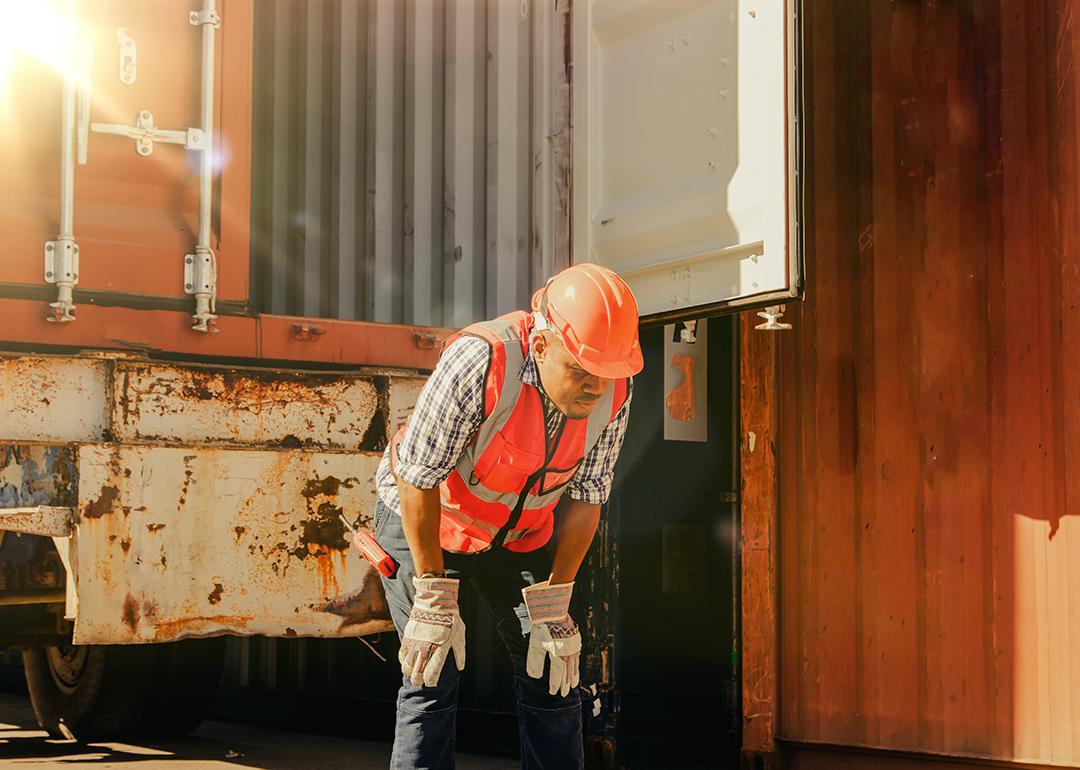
{"type": "Point", "coordinates": [554, 634]}
{"type": "Point", "coordinates": [434, 630]}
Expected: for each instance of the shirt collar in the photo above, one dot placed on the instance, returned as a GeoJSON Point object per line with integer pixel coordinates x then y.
{"type": "Point", "coordinates": [529, 374]}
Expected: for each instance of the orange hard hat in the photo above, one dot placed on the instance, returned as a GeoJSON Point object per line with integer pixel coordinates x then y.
{"type": "Point", "coordinates": [595, 313]}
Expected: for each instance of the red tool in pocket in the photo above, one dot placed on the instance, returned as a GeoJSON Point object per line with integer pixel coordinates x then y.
{"type": "Point", "coordinates": [370, 549]}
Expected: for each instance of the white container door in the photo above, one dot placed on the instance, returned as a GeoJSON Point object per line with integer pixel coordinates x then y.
{"type": "Point", "coordinates": [685, 150]}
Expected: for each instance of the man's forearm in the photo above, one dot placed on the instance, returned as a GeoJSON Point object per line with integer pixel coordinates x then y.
{"type": "Point", "coordinates": [420, 515]}
{"type": "Point", "coordinates": [575, 526]}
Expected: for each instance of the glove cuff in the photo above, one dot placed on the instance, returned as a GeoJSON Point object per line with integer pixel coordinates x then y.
{"type": "Point", "coordinates": [436, 594]}
{"type": "Point", "coordinates": [546, 602]}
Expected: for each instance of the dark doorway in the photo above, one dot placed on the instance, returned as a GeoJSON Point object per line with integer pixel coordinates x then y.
{"type": "Point", "coordinates": [674, 532]}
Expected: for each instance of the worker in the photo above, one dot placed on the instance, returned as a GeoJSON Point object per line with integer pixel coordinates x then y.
{"type": "Point", "coordinates": [495, 484]}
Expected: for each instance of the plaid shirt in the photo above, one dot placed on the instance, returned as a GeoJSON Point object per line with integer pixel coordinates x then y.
{"type": "Point", "coordinates": [450, 409]}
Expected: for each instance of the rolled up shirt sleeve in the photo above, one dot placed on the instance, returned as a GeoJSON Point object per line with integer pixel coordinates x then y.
{"type": "Point", "coordinates": [592, 483]}
{"type": "Point", "coordinates": [448, 411]}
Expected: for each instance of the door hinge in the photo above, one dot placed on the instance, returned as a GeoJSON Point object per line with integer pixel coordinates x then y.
{"type": "Point", "coordinates": [772, 316]}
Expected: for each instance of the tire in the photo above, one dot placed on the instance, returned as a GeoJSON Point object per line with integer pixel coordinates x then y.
{"type": "Point", "coordinates": [101, 692]}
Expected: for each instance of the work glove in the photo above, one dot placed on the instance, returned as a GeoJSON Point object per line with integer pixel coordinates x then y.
{"type": "Point", "coordinates": [434, 629]}
{"type": "Point", "coordinates": [554, 634]}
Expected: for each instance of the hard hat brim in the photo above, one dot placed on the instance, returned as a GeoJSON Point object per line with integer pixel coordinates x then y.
{"type": "Point", "coordinates": [612, 370]}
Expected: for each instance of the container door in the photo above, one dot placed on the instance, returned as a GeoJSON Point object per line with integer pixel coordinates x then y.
{"type": "Point", "coordinates": [137, 144]}
{"type": "Point", "coordinates": [685, 150]}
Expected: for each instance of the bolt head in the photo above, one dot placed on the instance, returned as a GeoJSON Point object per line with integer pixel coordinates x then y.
{"type": "Point", "coordinates": [48, 274]}
{"type": "Point", "coordinates": [48, 247]}
{"type": "Point", "coordinates": [187, 286]}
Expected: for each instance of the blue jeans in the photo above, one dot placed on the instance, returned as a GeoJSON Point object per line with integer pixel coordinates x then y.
{"type": "Point", "coordinates": [549, 725]}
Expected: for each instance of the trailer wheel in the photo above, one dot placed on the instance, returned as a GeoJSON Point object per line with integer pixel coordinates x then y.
{"type": "Point", "coordinates": [115, 691]}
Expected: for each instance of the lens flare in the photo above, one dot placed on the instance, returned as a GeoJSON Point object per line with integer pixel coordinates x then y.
{"type": "Point", "coordinates": [33, 32]}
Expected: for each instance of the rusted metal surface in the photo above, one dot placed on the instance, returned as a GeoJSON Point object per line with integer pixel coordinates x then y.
{"type": "Point", "coordinates": [36, 474]}
{"type": "Point", "coordinates": [49, 520]}
{"type": "Point", "coordinates": [216, 504]}
{"type": "Point", "coordinates": [178, 542]}
{"type": "Point", "coordinates": [195, 405]}
{"type": "Point", "coordinates": [403, 394]}
{"type": "Point", "coordinates": [53, 399]}
{"type": "Point", "coordinates": [928, 395]}
{"type": "Point", "coordinates": [758, 547]}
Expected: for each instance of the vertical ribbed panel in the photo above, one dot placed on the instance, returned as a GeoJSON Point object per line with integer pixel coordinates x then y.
{"type": "Point", "coordinates": [466, 129]}
{"type": "Point", "coordinates": [402, 153]}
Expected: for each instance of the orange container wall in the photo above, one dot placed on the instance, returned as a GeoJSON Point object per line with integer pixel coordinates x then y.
{"type": "Point", "coordinates": [135, 217]}
{"type": "Point", "coordinates": [929, 395]}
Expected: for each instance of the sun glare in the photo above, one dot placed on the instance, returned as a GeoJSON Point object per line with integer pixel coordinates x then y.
{"type": "Point", "coordinates": [33, 31]}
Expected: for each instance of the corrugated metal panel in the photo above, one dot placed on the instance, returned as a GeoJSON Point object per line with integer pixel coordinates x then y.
{"type": "Point", "coordinates": [928, 396]}
{"type": "Point", "coordinates": [402, 155]}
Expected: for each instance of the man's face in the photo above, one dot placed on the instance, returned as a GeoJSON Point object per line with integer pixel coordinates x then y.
{"type": "Point", "coordinates": [573, 390]}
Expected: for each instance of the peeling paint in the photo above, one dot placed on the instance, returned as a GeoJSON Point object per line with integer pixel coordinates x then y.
{"type": "Point", "coordinates": [76, 408]}
{"type": "Point", "coordinates": [131, 613]}
{"type": "Point", "coordinates": [263, 523]}
{"type": "Point", "coordinates": [36, 474]}
{"type": "Point", "coordinates": [104, 503]}
{"type": "Point", "coordinates": [215, 405]}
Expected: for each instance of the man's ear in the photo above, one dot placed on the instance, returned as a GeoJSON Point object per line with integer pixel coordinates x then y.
{"type": "Point", "coordinates": [539, 347]}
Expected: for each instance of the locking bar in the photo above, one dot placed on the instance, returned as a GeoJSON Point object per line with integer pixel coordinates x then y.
{"type": "Point", "coordinates": [62, 254]}
{"type": "Point", "coordinates": [200, 268]}
{"type": "Point", "coordinates": [145, 133]}
{"type": "Point", "coordinates": [82, 103]}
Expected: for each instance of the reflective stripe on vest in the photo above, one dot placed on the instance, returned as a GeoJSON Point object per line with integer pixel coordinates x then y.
{"type": "Point", "coordinates": [500, 470]}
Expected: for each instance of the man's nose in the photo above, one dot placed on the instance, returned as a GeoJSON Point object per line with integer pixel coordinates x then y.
{"type": "Point", "coordinates": [595, 386]}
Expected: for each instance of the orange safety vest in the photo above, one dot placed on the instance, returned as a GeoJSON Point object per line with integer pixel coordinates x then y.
{"type": "Point", "coordinates": [505, 486]}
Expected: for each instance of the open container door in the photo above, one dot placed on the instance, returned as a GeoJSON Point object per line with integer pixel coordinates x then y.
{"type": "Point", "coordinates": [686, 151]}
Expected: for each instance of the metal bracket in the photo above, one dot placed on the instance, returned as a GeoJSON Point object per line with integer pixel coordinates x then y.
{"type": "Point", "coordinates": [48, 520]}
{"type": "Point", "coordinates": [127, 56]}
{"type": "Point", "coordinates": [200, 279]}
{"type": "Point", "coordinates": [198, 18]}
{"type": "Point", "coordinates": [687, 333]}
{"type": "Point", "coordinates": [307, 332]}
{"type": "Point", "coordinates": [145, 134]}
{"type": "Point", "coordinates": [424, 340]}
{"type": "Point", "coordinates": [62, 269]}
{"type": "Point", "coordinates": [772, 316]}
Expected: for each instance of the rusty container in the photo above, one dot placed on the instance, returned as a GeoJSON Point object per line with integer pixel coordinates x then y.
{"type": "Point", "coordinates": [921, 424]}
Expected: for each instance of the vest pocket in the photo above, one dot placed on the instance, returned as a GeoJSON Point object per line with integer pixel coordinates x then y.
{"type": "Point", "coordinates": [555, 478]}
{"type": "Point", "coordinates": [504, 467]}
